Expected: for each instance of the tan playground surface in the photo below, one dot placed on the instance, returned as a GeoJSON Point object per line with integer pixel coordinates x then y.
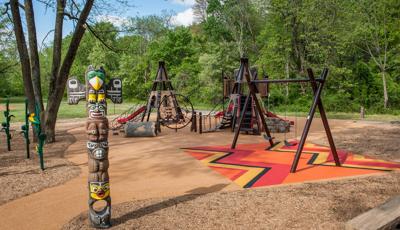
{"type": "Point", "coordinates": [148, 171]}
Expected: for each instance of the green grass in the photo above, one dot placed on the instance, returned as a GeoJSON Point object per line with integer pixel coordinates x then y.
{"type": "Point", "coordinates": [66, 111]}
{"type": "Point", "coordinates": [79, 111]}
{"type": "Point", "coordinates": [346, 116]}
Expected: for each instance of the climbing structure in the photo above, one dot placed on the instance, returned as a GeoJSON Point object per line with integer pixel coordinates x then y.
{"type": "Point", "coordinates": [252, 117]}
{"type": "Point", "coordinates": [96, 91]}
{"type": "Point", "coordinates": [234, 90]}
{"type": "Point", "coordinates": [173, 110]}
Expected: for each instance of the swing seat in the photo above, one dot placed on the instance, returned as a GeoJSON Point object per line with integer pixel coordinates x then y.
{"type": "Point", "coordinates": [268, 138]}
{"type": "Point", "coordinates": [288, 144]}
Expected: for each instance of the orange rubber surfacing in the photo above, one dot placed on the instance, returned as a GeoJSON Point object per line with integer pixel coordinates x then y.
{"type": "Point", "coordinates": [251, 165]}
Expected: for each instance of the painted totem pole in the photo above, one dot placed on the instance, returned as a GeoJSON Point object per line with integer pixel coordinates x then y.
{"type": "Point", "coordinates": [95, 91]}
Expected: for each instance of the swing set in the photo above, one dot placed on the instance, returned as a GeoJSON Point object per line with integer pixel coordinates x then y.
{"type": "Point", "coordinates": [317, 85]}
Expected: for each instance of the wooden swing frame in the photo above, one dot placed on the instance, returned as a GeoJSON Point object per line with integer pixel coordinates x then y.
{"type": "Point", "coordinates": [317, 85]}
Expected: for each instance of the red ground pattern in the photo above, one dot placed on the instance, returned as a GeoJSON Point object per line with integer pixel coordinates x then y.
{"type": "Point", "coordinates": [251, 165]}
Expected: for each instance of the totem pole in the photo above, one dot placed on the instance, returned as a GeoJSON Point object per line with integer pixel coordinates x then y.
{"type": "Point", "coordinates": [95, 91]}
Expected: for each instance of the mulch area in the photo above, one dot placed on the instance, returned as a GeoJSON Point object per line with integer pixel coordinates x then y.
{"type": "Point", "coordinates": [323, 205]}
{"type": "Point", "coordinates": [313, 205]}
{"type": "Point", "coordinates": [378, 140]}
{"type": "Point", "coordinates": [21, 176]}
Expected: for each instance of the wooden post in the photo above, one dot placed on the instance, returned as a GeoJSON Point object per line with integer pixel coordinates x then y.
{"type": "Point", "coordinates": [324, 118]}
{"type": "Point", "coordinates": [193, 125]}
{"type": "Point", "coordinates": [237, 131]}
{"type": "Point", "coordinates": [200, 122]}
{"type": "Point", "coordinates": [316, 101]}
{"type": "Point", "coordinates": [362, 112]}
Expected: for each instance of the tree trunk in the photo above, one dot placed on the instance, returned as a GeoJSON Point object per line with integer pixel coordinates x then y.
{"type": "Point", "coordinates": [140, 129]}
{"type": "Point", "coordinates": [51, 110]}
{"type": "Point", "coordinates": [55, 100]}
{"type": "Point", "coordinates": [287, 73]}
{"type": "Point", "coordinates": [385, 93]}
{"type": "Point", "coordinates": [23, 54]}
{"type": "Point", "coordinates": [34, 57]}
{"type": "Point", "coordinates": [57, 44]}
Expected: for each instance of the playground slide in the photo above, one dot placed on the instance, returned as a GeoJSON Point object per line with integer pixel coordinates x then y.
{"type": "Point", "coordinates": [123, 120]}
{"type": "Point", "coordinates": [222, 113]}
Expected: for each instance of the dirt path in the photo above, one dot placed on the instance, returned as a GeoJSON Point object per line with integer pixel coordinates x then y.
{"type": "Point", "coordinates": [140, 168]}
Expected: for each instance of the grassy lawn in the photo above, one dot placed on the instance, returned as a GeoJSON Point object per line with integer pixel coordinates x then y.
{"type": "Point", "coordinates": [346, 116]}
{"type": "Point", "coordinates": [79, 111]}
{"type": "Point", "coordinates": [66, 111]}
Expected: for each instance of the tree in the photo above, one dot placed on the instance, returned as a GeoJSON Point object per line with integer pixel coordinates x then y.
{"type": "Point", "coordinates": [23, 53]}
{"type": "Point", "coordinates": [372, 23]}
{"type": "Point", "coordinates": [30, 60]}
{"type": "Point", "coordinates": [60, 75]}
{"type": "Point", "coordinates": [200, 10]}
{"type": "Point", "coordinates": [9, 64]}
{"type": "Point", "coordinates": [232, 20]}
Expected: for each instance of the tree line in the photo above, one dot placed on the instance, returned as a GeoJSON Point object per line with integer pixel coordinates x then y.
{"type": "Point", "coordinates": [358, 40]}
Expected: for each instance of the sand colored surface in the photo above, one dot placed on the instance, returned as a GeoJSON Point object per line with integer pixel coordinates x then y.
{"type": "Point", "coordinates": [140, 168]}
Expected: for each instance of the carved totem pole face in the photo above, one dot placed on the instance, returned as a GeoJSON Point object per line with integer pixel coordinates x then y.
{"type": "Point", "coordinates": [95, 91]}
{"type": "Point", "coordinates": [97, 145]}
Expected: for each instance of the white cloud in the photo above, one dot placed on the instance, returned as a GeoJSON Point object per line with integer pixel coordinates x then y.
{"type": "Point", "coordinates": [185, 18]}
{"type": "Point", "coordinates": [184, 2]}
{"type": "Point", "coordinates": [115, 20]}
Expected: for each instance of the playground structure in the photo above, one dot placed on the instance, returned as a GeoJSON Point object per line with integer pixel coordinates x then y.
{"type": "Point", "coordinates": [173, 110]}
{"type": "Point", "coordinates": [95, 91]}
{"type": "Point", "coordinates": [317, 87]}
{"type": "Point", "coordinates": [217, 156]}
{"type": "Point", "coordinates": [6, 125]}
{"type": "Point", "coordinates": [34, 119]}
{"type": "Point", "coordinates": [235, 92]}
{"type": "Point", "coordinates": [130, 115]}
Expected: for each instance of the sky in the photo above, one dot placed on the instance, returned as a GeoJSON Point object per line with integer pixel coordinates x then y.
{"type": "Point", "coordinates": [182, 10]}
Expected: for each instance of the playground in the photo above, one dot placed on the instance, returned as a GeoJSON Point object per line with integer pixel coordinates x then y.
{"type": "Point", "coordinates": [200, 114]}
{"type": "Point", "coordinates": [175, 167]}
{"type": "Point", "coordinates": [156, 182]}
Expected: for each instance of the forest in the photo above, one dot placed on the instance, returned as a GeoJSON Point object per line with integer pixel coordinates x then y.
{"type": "Point", "coordinates": [358, 40]}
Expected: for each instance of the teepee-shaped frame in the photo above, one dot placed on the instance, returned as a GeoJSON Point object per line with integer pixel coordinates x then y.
{"type": "Point", "coordinates": [237, 97]}
{"type": "Point", "coordinates": [164, 99]}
